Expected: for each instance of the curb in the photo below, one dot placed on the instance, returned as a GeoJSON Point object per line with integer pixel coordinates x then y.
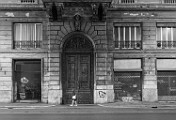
{"type": "Point", "coordinates": [140, 106]}
{"type": "Point", "coordinates": [12, 107]}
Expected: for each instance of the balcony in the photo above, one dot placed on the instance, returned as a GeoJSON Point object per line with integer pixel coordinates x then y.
{"type": "Point", "coordinates": [166, 44]}
{"type": "Point", "coordinates": [128, 45]}
{"type": "Point", "coordinates": [27, 44]}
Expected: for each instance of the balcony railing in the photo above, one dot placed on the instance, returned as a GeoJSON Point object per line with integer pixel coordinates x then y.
{"type": "Point", "coordinates": [144, 2]}
{"type": "Point", "coordinates": [128, 44]}
{"type": "Point", "coordinates": [29, 1]}
{"type": "Point", "coordinates": [126, 1]}
{"type": "Point", "coordinates": [169, 1]}
{"type": "Point", "coordinates": [166, 44]}
{"type": "Point", "coordinates": [27, 44]}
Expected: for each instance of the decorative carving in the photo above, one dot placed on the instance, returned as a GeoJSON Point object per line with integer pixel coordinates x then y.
{"type": "Point", "coordinates": [78, 43]}
{"type": "Point", "coordinates": [99, 11]}
{"type": "Point", "coordinates": [77, 22]}
{"type": "Point", "coordinates": [94, 10]}
{"type": "Point", "coordinates": [54, 10]}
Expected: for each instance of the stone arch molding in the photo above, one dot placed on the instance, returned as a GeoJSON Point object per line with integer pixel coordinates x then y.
{"type": "Point", "coordinates": [76, 33]}
{"type": "Point", "coordinates": [87, 28]}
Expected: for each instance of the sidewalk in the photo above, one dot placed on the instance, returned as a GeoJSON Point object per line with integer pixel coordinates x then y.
{"type": "Point", "coordinates": [119, 104]}
{"type": "Point", "coordinates": [25, 105]}
{"type": "Point", "coordinates": [140, 104]}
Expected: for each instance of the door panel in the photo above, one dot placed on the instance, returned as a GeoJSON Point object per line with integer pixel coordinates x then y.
{"type": "Point", "coordinates": [78, 78]}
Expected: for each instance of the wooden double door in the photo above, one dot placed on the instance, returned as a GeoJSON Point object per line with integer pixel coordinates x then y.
{"type": "Point", "coordinates": [78, 76]}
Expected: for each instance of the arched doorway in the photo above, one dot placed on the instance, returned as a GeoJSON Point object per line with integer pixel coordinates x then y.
{"type": "Point", "coordinates": [77, 69]}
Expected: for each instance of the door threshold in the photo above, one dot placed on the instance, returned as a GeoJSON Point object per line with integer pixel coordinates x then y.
{"type": "Point", "coordinates": [28, 101]}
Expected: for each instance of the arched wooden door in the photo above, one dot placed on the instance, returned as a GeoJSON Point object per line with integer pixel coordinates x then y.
{"type": "Point", "coordinates": [77, 69]}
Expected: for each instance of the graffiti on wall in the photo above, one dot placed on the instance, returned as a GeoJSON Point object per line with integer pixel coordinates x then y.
{"type": "Point", "coordinates": [102, 94]}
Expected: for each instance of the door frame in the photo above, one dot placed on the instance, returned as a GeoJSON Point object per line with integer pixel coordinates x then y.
{"type": "Point", "coordinates": [14, 92]}
{"type": "Point", "coordinates": [92, 60]}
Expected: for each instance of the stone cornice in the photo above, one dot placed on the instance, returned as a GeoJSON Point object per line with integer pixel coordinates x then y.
{"type": "Point", "coordinates": [18, 7]}
{"type": "Point", "coordinates": [143, 7]}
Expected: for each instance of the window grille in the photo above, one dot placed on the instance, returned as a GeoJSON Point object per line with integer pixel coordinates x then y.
{"type": "Point", "coordinates": [127, 1]}
{"type": "Point", "coordinates": [27, 35]}
{"type": "Point", "coordinates": [169, 1]}
{"type": "Point", "coordinates": [29, 1]}
{"type": "Point", "coordinates": [166, 37]}
{"type": "Point", "coordinates": [166, 83]}
{"type": "Point", "coordinates": [127, 37]}
{"type": "Point", "coordinates": [127, 84]}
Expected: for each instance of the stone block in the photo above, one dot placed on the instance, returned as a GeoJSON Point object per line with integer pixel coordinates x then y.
{"type": "Point", "coordinates": [54, 28]}
{"type": "Point", "coordinates": [103, 95]}
{"type": "Point", "coordinates": [87, 27]}
{"type": "Point", "coordinates": [106, 87]}
{"type": "Point", "coordinates": [149, 46]}
{"type": "Point", "coordinates": [150, 86]}
{"type": "Point", "coordinates": [150, 95]}
{"type": "Point", "coordinates": [91, 30]}
{"type": "Point", "coordinates": [54, 87]}
{"type": "Point", "coordinates": [83, 25]}
{"type": "Point", "coordinates": [127, 99]}
{"type": "Point", "coordinates": [150, 82]}
{"type": "Point", "coordinates": [64, 31]}
{"type": "Point", "coordinates": [67, 27]}
{"type": "Point", "coordinates": [61, 34]}
{"type": "Point", "coordinates": [6, 96]}
{"type": "Point", "coordinates": [54, 82]}
{"type": "Point", "coordinates": [55, 96]}
{"type": "Point", "coordinates": [101, 32]}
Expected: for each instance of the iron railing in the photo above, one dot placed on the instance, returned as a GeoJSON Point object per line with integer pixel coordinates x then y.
{"type": "Point", "coordinates": [128, 44]}
{"type": "Point", "coordinates": [143, 1]}
{"type": "Point", "coordinates": [166, 83]}
{"type": "Point", "coordinates": [27, 44]}
{"type": "Point", "coordinates": [166, 44]}
{"type": "Point", "coordinates": [29, 1]}
{"type": "Point", "coordinates": [169, 1]}
{"type": "Point", "coordinates": [127, 84]}
{"type": "Point", "coordinates": [126, 1]}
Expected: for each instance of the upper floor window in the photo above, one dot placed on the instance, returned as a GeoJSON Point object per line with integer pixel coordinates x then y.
{"type": "Point", "coordinates": [127, 36]}
{"type": "Point", "coordinates": [166, 36]}
{"type": "Point", "coordinates": [27, 35]}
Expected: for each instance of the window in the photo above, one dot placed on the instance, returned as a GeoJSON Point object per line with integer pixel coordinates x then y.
{"type": "Point", "coordinates": [166, 37]}
{"type": "Point", "coordinates": [127, 36]}
{"type": "Point", "coordinates": [27, 35]}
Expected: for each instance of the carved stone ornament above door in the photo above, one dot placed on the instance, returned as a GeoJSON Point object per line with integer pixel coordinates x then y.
{"type": "Point", "coordinates": [88, 9]}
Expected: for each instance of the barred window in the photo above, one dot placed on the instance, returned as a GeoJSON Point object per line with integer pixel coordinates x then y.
{"type": "Point", "coordinates": [27, 35]}
{"type": "Point", "coordinates": [127, 37]}
{"type": "Point", "coordinates": [166, 37]}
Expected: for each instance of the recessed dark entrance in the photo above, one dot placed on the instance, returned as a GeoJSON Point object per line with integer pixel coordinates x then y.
{"type": "Point", "coordinates": [27, 80]}
{"type": "Point", "coordinates": [77, 69]}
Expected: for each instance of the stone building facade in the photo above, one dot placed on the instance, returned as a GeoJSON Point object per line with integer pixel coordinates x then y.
{"type": "Point", "coordinates": [105, 50]}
